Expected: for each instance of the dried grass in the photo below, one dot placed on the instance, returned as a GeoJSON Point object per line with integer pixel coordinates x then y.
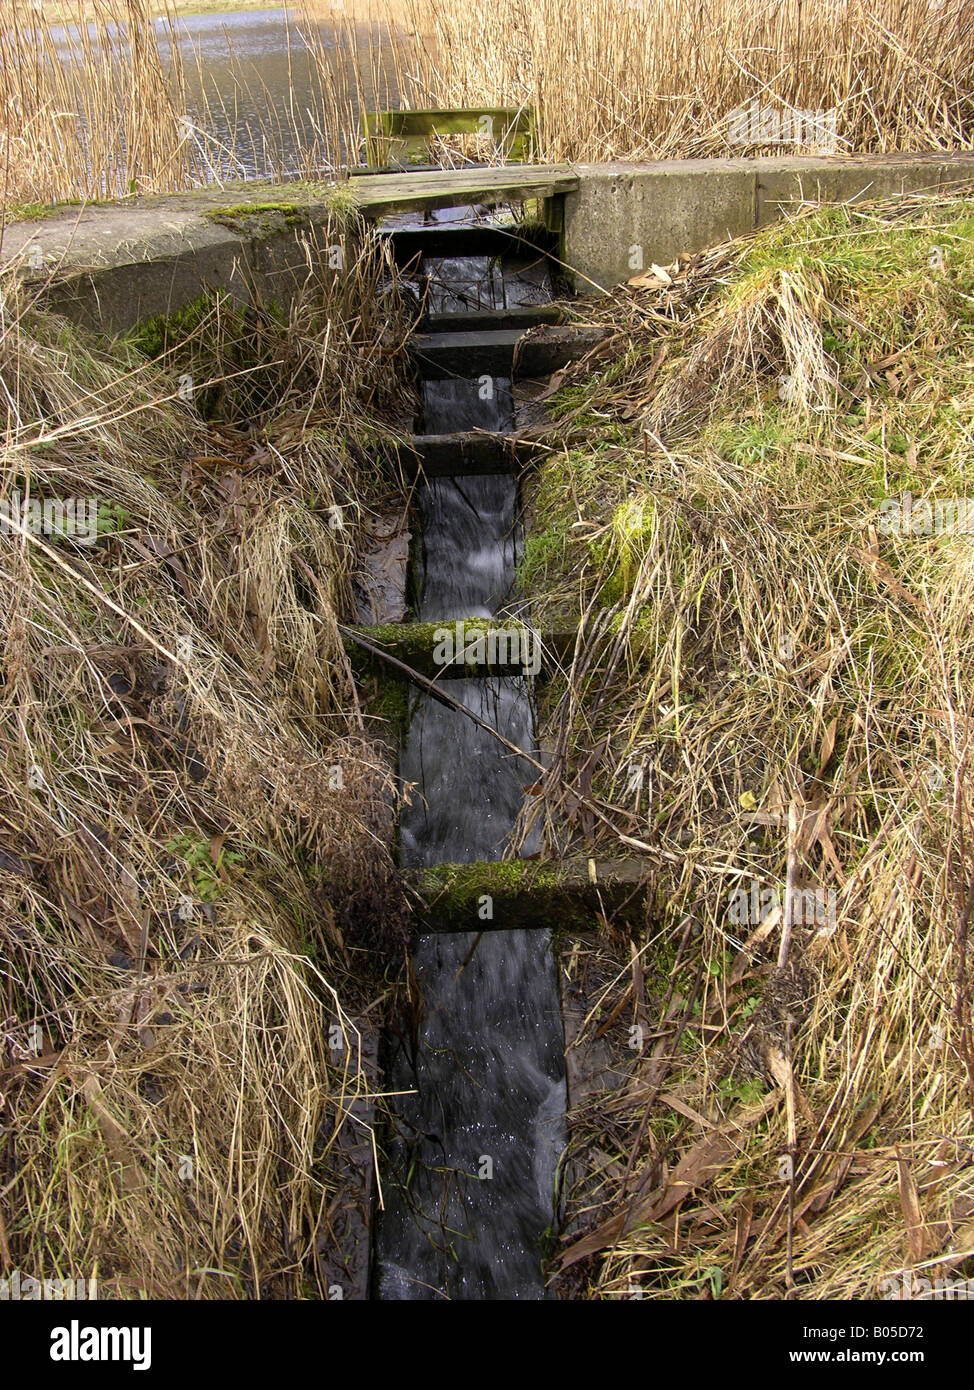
{"type": "Point", "coordinates": [768, 689]}
{"type": "Point", "coordinates": [608, 80]}
{"type": "Point", "coordinates": [196, 875]}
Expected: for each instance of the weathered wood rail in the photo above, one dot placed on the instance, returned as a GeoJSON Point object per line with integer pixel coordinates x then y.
{"type": "Point", "coordinates": [395, 136]}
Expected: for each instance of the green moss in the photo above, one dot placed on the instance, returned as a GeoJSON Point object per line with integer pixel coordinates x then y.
{"type": "Point", "coordinates": [543, 550]}
{"type": "Point", "coordinates": [522, 893]}
{"type": "Point", "coordinates": [414, 644]}
{"type": "Point", "coordinates": [260, 220]}
{"type": "Point", "coordinates": [38, 212]}
{"type": "Point", "coordinates": [163, 332]}
{"type": "Point", "coordinates": [270, 217]}
{"type": "Point", "coordinates": [454, 891]}
{"type": "Point", "coordinates": [465, 882]}
{"type": "Point", "coordinates": [231, 352]}
{"type": "Point", "coordinates": [388, 700]}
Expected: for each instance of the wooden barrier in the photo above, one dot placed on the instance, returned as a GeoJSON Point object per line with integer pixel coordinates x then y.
{"type": "Point", "coordinates": [396, 139]}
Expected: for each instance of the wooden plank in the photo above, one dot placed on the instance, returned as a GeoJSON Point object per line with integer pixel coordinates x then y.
{"type": "Point", "coordinates": [568, 895]}
{"type": "Point", "coordinates": [521, 317]}
{"type": "Point", "coordinates": [378, 195]}
{"type": "Point", "coordinates": [469, 354]}
{"type": "Point", "coordinates": [539, 352]}
{"type": "Point", "coordinates": [410, 244]}
{"type": "Point", "coordinates": [464, 454]}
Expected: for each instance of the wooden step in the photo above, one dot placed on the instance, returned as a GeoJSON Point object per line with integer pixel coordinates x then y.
{"type": "Point", "coordinates": [519, 317]}
{"type": "Point", "coordinates": [410, 244]}
{"type": "Point", "coordinates": [463, 454]}
{"type": "Point", "coordinates": [534, 353]}
{"type": "Point", "coordinates": [567, 895]}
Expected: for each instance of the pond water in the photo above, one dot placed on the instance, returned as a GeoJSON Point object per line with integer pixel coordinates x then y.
{"type": "Point", "coordinates": [257, 85]}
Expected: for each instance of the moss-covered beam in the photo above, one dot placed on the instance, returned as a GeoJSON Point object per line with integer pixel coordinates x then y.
{"type": "Point", "coordinates": [462, 649]}
{"type": "Point", "coordinates": [567, 895]}
{"type": "Point", "coordinates": [460, 455]}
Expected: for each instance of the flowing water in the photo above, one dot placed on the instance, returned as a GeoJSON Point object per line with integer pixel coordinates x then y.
{"type": "Point", "coordinates": [464, 284]}
{"type": "Point", "coordinates": [470, 1182]}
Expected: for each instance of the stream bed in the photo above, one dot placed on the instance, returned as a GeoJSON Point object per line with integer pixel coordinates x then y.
{"type": "Point", "coordinates": [470, 1181]}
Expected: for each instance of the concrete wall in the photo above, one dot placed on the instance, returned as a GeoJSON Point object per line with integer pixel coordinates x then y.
{"type": "Point", "coordinates": [625, 217]}
{"type": "Point", "coordinates": [110, 266]}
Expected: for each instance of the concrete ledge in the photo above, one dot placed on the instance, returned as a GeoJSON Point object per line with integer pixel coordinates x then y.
{"type": "Point", "coordinates": [783, 184]}
{"type": "Point", "coordinates": [110, 266]}
{"type": "Point", "coordinates": [625, 217]}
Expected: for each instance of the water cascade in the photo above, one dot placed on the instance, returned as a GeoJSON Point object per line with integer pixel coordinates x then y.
{"type": "Point", "coordinates": [470, 1183]}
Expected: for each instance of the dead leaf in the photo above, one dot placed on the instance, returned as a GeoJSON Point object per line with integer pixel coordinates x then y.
{"type": "Point", "coordinates": [963, 1241]}
{"type": "Point", "coordinates": [696, 1168]}
{"type": "Point", "coordinates": [827, 746]}
{"type": "Point", "coordinates": [882, 573]}
{"type": "Point", "coordinates": [554, 384]}
{"type": "Point", "coordinates": [115, 1138]}
{"type": "Point", "coordinates": [912, 1215]}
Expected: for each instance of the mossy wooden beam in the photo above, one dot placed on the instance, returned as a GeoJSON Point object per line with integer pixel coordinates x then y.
{"type": "Point", "coordinates": [569, 895]}
{"type": "Point", "coordinates": [459, 455]}
{"type": "Point", "coordinates": [477, 648]}
{"type": "Point", "coordinates": [392, 135]}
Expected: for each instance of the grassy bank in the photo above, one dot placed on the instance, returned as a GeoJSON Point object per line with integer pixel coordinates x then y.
{"type": "Point", "coordinates": [771, 702]}
{"type": "Point", "coordinates": [197, 897]}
